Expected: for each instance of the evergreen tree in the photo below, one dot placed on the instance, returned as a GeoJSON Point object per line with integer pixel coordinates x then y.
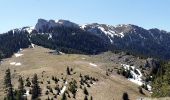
{"type": "Point", "coordinates": [36, 91]}
{"type": "Point", "coordinates": [73, 88]}
{"type": "Point", "coordinates": [140, 90]}
{"type": "Point", "coordinates": [21, 90]}
{"type": "Point", "coordinates": [85, 91]}
{"type": "Point", "coordinates": [28, 83]}
{"type": "Point", "coordinates": [68, 71]}
{"type": "Point", "coordinates": [161, 81]}
{"type": "Point", "coordinates": [18, 95]}
{"type": "Point", "coordinates": [8, 85]}
{"type": "Point", "coordinates": [91, 98]}
{"type": "Point", "coordinates": [125, 96]}
{"type": "Point", "coordinates": [85, 98]}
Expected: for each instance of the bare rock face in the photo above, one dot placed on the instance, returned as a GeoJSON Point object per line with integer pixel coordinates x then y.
{"type": "Point", "coordinates": [44, 26]}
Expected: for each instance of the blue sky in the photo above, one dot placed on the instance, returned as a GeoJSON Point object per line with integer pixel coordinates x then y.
{"type": "Point", "coordinates": [145, 13]}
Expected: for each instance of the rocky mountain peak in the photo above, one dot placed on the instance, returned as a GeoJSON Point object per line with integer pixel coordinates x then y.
{"type": "Point", "coordinates": [44, 25]}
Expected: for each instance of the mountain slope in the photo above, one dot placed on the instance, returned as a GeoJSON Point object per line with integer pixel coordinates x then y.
{"type": "Point", "coordinates": [45, 64]}
{"type": "Point", "coordinates": [94, 38]}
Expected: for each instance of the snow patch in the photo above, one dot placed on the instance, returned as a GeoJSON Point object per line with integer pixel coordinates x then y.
{"type": "Point", "coordinates": [12, 63]}
{"type": "Point", "coordinates": [92, 64]}
{"type": "Point", "coordinates": [18, 64]}
{"type": "Point", "coordinates": [18, 55]}
{"type": "Point", "coordinates": [121, 34]}
{"type": "Point", "coordinates": [61, 53]}
{"type": "Point", "coordinates": [64, 88]}
{"type": "Point", "coordinates": [136, 76]}
{"type": "Point", "coordinates": [149, 87]}
{"type": "Point", "coordinates": [29, 29]}
{"type": "Point", "coordinates": [27, 93]}
{"type": "Point", "coordinates": [50, 36]}
{"type": "Point", "coordinates": [106, 32]}
{"type": "Point", "coordinates": [109, 33]}
{"type": "Point", "coordinates": [66, 82]}
{"type": "Point", "coordinates": [83, 26]}
{"type": "Point", "coordinates": [135, 81]}
{"type": "Point", "coordinates": [32, 45]}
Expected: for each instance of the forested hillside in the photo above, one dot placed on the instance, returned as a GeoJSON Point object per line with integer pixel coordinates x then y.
{"type": "Point", "coordinates": [11, 42]}
{"type": "Point", "coordinates": [161, 82]}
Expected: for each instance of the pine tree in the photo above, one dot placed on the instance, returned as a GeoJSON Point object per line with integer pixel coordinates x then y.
{"type": "Point", "coordinates": [18, 95]}
{"type": "Point", "coordinates": [91, 98]}
{"type": "Point", "coordinates": [85, 91]}
{"type": "Point", "coordinates": [36, 91]}
{"type": "Point", "coordinates": [8, 85]}
{"type": "Point", "coordinates": [68, 71]}
{"type": "Point", "coordinates": [140, 90]}
{"type": "Point", "coordinates": [73, 88]}
{"type": "Point", "coordinates": [125, 96]}
{"type": "Point", "coordinates": [28, 83]}
{"type": "Point", "coordinates": [21, 90]}
{"type": "Point", "coordinates": [85, 98]}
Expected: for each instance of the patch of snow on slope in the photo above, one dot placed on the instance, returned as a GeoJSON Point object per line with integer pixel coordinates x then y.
{"type": "Point", "coordinates": [32, 45]}
{"type": "Point", "coordinates": [135, 81]}
{"type": "Point", "coordinates": [136, 78]}
{"type": "Point", "coordinates": [13, 32]}
{"type": "Point", "coordinates": [61, 53]}
{"type": "Point", "coordinates": [121, 34]}
{"type": "Point", "coordinates": [106, 32]}
{"type": "Point", "coordinates": [92, 64]}
{"type": "Point", "coordinates": [64, 88]}
{"type": "Point", "coordinates": [83, 26]}
{"type": "Point", "coordinates": [27, 93]}
{"type": "Point", "coordinates": [18, 64]}
{"type": "Point", "coordinates": [110, 34]}
{"type": "Point", "coordinates": [20, 49]}
{"type": "Point", "coordinates": [29, 29]}
{"type": "Point", "coordinates": [127, 67]}
{"type": "Point", "coordinates": [49, 36]}
{"type": "Point", "coordinates": [140, 74]}
{"type": "Point", "coordinates": [149, 87]}
{"type": "Point", "coordinates": [15, 63]}
{"type": "Point", "coordinates": [18, 55]}
{"type": "Point", "coordinates": [12, 63]}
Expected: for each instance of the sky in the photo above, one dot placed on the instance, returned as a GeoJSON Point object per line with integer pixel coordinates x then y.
{"type": "Point", "coordinates": [145, 13]}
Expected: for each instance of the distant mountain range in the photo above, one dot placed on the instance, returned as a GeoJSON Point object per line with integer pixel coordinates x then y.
{"type": "Point", "coordinates": [92, 38]}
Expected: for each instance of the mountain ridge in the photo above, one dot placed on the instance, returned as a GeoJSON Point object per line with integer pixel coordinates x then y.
{"type": "Point", "coordinates": [82, 25]}
{"type": "Point", "coordinates": [96, 38]}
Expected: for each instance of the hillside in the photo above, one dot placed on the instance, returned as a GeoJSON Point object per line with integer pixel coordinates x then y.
{"type": "Point", "coordinates": [38, 60]}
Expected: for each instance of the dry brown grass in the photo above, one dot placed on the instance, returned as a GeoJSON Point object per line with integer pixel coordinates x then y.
{"type": "Point", "coordinates": [38, 60]}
